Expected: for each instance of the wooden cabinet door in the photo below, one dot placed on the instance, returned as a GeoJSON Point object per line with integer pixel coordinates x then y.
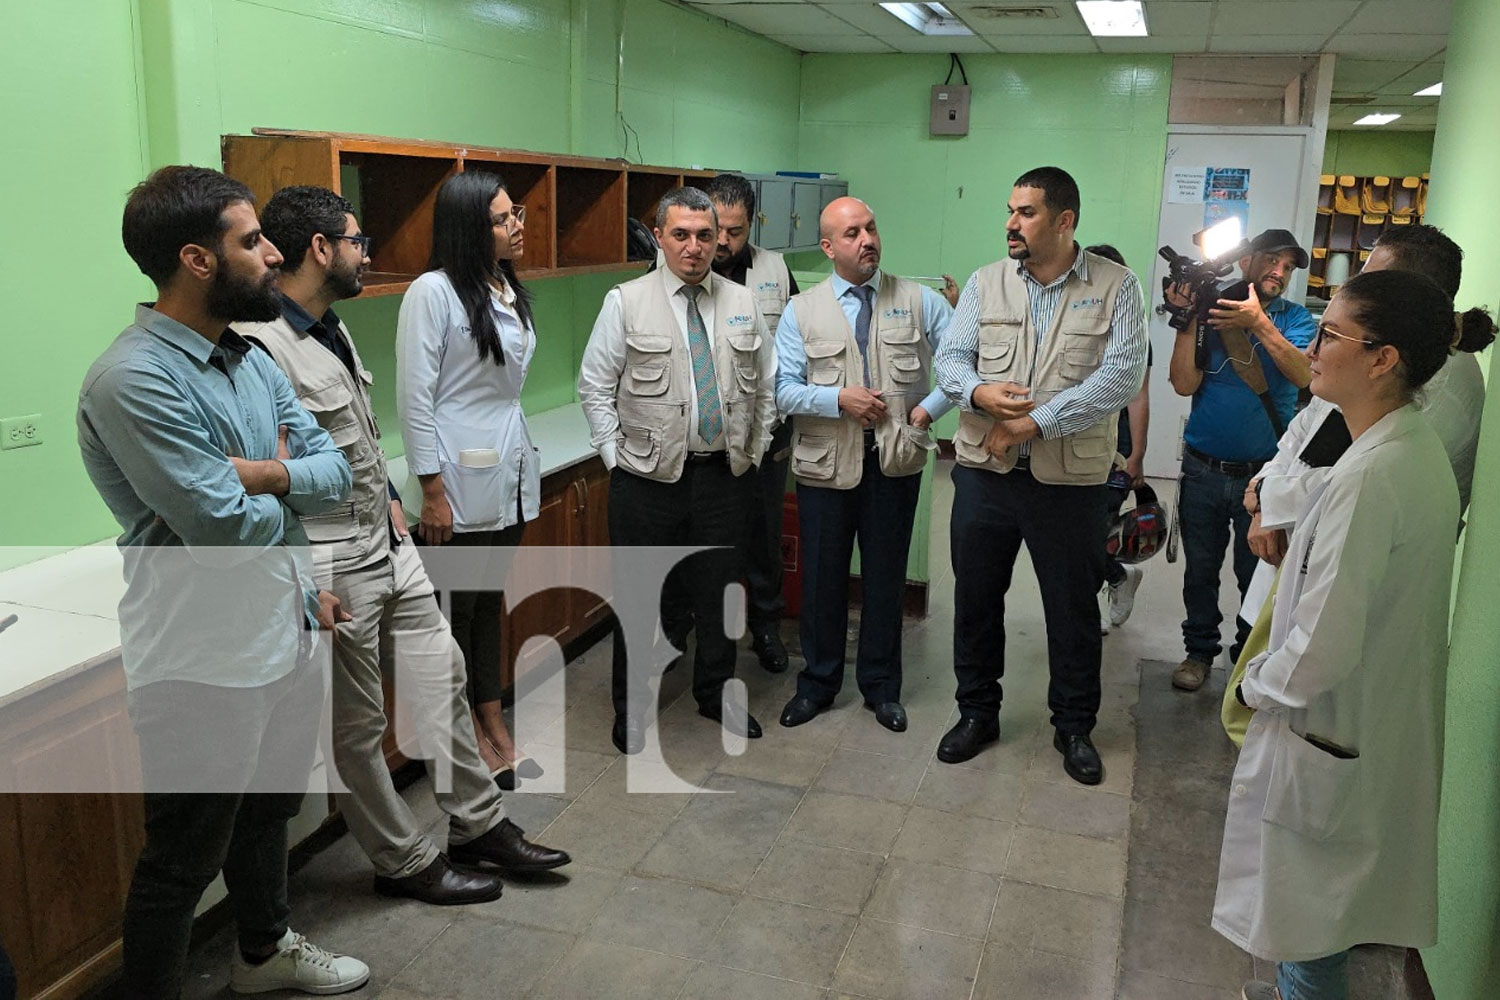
{"type": "Point", "coordinates": [550, 612]}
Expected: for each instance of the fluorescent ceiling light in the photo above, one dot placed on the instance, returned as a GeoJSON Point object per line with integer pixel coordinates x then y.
{"type": "Point", "coordinates": [1435, 90]}
{"type": "Point", "coordinates": [1377, 119]}
{"type": "Point", "coordinates": [1113, 18]}
{"type": "Point", "coordinates": [928, 18]}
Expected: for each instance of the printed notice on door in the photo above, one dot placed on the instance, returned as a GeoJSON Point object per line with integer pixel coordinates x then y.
{"type": "Point", "coordinates": [1186, 187]}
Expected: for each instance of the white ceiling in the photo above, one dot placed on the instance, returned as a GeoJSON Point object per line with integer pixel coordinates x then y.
{"type": "Point", "coordinates": [1387, 49]}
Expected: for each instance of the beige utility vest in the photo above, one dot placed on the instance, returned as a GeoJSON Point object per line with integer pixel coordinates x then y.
{"type": "Point", "coordinates": [830, 451]}
{"type": "Point", "coordinates": [1012, 350]}
{"type": "Point", "coordinates": [357, 530]}
{"type": "Point", "coordinates": [770, 283]}
{"type": "Point", "coordinates": [657, 386]}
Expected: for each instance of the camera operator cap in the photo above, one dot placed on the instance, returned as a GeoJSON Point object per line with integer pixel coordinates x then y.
{"type": "Point", "coordinates": [1277, 240]}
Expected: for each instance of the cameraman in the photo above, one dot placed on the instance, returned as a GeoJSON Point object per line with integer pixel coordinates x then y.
{"type": "Point", "coordinates": [1243, 371]}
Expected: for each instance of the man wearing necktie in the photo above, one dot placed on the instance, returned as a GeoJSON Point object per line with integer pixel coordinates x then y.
{"type": "Point", "coordinates": [854, 376]}
{"type": "Point", "coordinates": [676, 383]}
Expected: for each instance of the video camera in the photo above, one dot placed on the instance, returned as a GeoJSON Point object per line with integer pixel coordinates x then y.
{"type": "Point", "coordinates": [1223, 245]}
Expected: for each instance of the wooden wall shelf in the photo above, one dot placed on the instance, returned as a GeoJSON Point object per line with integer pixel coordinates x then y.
{"type": "Point", "coordinates": [1352, 213]}
{"type": "Point", "coordinates": [576, 207]}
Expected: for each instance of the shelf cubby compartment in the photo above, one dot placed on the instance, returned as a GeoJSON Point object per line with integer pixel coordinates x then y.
{"type": "Point", "coordinates": [1343, 231]}
{"type": "Point", "coordinates": [529, 182]}
{"type": "Point", "coordinates": [1375, 195]}
{"type": "Point", "coordinates": [1404, 197]}
{"type": "Point", "coordinates": [393, 197]}
{"type": "Point", "coordinates": [1321, 225]}
{"type": "Point", "coordinates": [1370, 228]}
{"type": "Point", "coordinates": [1346, 195]}
{"type": "Point", "coordinates": [645, 188]}
{"type": "Point", "coordinates": [590, 216]}
{"type": "Point", "coordinates": [1325, 194]}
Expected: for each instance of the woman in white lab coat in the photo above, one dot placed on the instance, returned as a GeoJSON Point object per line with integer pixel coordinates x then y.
{"type": "Point", "coordinates": [1330, 839]}
{"type": "Point", "coordinates": [464, 341]}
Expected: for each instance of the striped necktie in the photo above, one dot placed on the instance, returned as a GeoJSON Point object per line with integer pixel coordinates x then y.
{"type": "Point", "coordinates": [710, 417]}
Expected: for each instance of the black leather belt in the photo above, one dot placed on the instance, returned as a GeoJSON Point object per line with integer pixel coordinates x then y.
{"type": "Point", "coordinates": [1236, 469]}
{"type": "Point", "coordinates": [705, 457]}
{"type": "Point", "coordinates": [870, 444]}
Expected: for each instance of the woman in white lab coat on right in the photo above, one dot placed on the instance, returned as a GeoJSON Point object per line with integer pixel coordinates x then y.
{"type": "Point", "coordinates": [1330, 839]}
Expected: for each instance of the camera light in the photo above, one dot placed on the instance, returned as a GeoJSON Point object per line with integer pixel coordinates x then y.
{"type": "Point", "coordinates": [1220, 238]}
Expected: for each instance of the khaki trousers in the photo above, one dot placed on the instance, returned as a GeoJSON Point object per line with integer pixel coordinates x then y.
{"type": "Point", "coordinates": [399, 631]}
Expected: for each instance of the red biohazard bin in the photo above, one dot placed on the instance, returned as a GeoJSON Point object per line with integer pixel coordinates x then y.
{"type": "Point", "coordinates": [791, 557]}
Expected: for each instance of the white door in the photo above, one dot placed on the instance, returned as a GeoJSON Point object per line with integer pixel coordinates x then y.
{"type": "Point", "coordinates": [1274, 158]}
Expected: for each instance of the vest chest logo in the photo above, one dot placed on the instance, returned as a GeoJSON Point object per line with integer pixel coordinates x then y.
{"type": "Point", "coordinates": [896, 312]}
{"type": "Point", "coordinates": [739, 319]}
{"type": "Point", "coordinates": [1091, 303]}
{"type": "Point", "coordinates": [769, 288]}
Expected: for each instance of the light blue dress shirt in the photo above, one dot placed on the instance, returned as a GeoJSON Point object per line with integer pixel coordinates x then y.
{"type": "Point", "coordinates": [794, 395]}
{"type": "Point", "coordinates": [218, 583]}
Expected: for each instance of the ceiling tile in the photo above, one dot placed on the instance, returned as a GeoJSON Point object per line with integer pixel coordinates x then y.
{"type": "Point", "coordinates": [866, 17]}
{"type": "Point", "coordinates": [1264, 44]}
{"type": "Point", "coordinates": [1364, 75]}
{"type": "Point", "coordinates": [851, 41]}
{"type": "Point", "coordinates": [780, 18]}
{"type": "Point", "coordinates": [914, 42]}
{"type": "Point", "coordinates": [1043, 44]}
{"type": "Point", "coordinates": [1171, 46]}
{"type": "Point", "coordinates": [1389, 46]}
{"type": "Point", "coordinates": [1396, 17]}
{"type": "Point", "coordinates": [1282, 17]}
{"type": "Point", "coordinates": [1169, 18]}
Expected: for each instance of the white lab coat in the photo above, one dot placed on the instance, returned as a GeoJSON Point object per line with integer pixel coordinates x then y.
{"type": "Point", "coordinates": [461, 416]}
{"type": "Point", "coordinates": [1322, 853]}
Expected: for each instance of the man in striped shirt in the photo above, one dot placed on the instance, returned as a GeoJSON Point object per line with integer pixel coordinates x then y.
{"type": "Point", "coordinates": [1044, 349]}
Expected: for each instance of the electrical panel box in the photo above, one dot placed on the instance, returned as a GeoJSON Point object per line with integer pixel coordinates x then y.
{"type": "Point", "coordinates": [950, 109]}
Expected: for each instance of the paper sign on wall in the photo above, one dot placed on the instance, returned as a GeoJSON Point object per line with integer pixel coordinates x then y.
{"type": "Point", "coordinates": [1186, 187]}
{"type": "Point", "coordinates": [1226, 194]}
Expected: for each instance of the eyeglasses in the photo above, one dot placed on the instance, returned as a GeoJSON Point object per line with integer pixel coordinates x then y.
{"type": "Point", "coordinates": [1323, 331]}
{"type": "Point", "coordinates": [517, 216]}
{"type": "Point", "coordinates": [362, 241]}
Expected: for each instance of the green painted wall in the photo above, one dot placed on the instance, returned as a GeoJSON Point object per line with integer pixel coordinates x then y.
{"type": "Point", "coordinates": [1465, 964]}
{"type": "Point", "coordinates": [114, 87]}
{"type": "Point", "coordinates": [1370, 151]}
{"type": "Point", "coordinates": [73, 148]}
{"type": "Point", "coordinates": [940, 202]}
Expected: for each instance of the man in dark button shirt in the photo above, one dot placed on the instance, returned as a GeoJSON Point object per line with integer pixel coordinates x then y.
{"type": "Point", "coordinates": [397, 626]}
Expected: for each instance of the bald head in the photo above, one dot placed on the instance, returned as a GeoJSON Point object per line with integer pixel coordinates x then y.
{"type": "Point", "coordinates": [849, 238]}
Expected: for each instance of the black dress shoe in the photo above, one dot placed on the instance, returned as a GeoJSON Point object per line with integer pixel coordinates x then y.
{"type": "Point", "coordinates": [767, 644]}
{"type": "Point", "coordinates": [441, 885]}
{"type": "Point", "coordinates": [749, 731]}
{"type": "Point", "coordinates": [1080, 759]}
{"type": "Point", "coordinates": [799, 710]}
{"type": "Point", "coordinates": [628, 736]}
{"type": "Point", "coordinates": [889, 714]}
{"type": "Point", "coordinates": [506, 846]}
{"type": "Point", "coordinates": [966, 739]}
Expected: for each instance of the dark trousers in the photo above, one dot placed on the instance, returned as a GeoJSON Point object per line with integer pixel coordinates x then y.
{"type": "Point", "coordinates": [474, 617]}
{"type": "Point", "coordinates": [705, 506]}
{"type": "Point", "coordinates": [763, 539]}
{"type": "Point", "coordinates": [1114, 570]}
{"type": "Point", "coordinates": [879, 514]}
{"type": "Point", "coordinates": [1063, 530]}
{"type": "Point", "coordinates": [235, 741]}
{"type": "Point", "coordinates": [1209, 504]}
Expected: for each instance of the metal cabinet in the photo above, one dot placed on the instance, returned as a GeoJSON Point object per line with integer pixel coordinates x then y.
{"type": "Point", "coordinates": [774, 213]}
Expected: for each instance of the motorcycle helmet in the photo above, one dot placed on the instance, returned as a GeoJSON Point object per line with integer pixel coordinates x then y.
{"type": "Point", "coordinates": [1139, 532]}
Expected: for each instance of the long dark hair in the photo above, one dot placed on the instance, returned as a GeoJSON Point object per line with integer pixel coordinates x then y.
{"type": "Point", "coordinates": [463, 246]}
{"type": "Point", "coordinates": [1408, 311]}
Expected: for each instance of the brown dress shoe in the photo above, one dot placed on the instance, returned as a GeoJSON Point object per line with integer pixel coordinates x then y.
{"type": "Point", "coordinates": [441, 885]}
{"type": "Point", "coordinates": [506, 846]}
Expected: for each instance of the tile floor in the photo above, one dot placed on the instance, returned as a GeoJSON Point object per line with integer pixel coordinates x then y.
{"type": "Point", "coordinates": [845, 860]}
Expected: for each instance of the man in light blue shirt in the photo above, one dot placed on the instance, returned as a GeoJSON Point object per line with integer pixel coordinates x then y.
{"type": "Point", "coordinates": [861, 419]}
{"type": "Point", "coordinates": [206, 459]}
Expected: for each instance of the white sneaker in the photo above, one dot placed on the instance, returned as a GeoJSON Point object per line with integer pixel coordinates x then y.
{"type": "Point", "coordinates": [298, 965]}
{"type": "Point", "coordinates": [1104, 606]}
{"type": "Point", "coordinates": [1122, 598]}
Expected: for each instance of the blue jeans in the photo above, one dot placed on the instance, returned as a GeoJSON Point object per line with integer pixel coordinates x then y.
{"type": "Point", "coordinates": [1318, 979]}
{"type": "Point", "coordinates": [1209, 504]}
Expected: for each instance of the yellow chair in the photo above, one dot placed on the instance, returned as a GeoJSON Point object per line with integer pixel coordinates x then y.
{"type": "Point", "coordinates": [1325, 194]}
{"type": "Point", "coordinates": [1346, 195]}
{"type": "Point", "coordinates": [1375, 195]}
{"type": "Point", "coordinates": [1405, 197]}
